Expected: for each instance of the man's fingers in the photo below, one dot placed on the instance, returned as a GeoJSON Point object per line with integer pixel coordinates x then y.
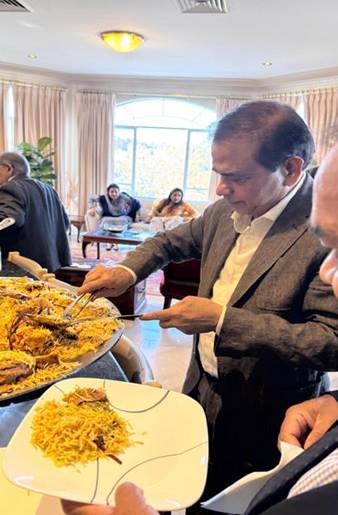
{"type": "Point", "coordinates": [75, 508]}
{"type": "Point", "coordinates": [91, 286]}
{"type": "Point", "coordinates": [163, 314]}
{"type": "Point", "coordinates": [321, 426]}
{"type": "Point", "coordinates": [130, 500]}
{"type": "Point", "coordinates": [293, 428]}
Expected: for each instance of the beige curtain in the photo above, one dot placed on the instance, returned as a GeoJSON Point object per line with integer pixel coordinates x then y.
{"type": "Point", "coordinates": [2, 116]}
{"type": "Point", "coordinates": [292, 99]}
{"type": "Point", "coordinates": [94, 112]}
{"type": "Point", "coordinates": [40, 111]}
{"type": "Point", "coordinates": [224, 105]}
{"type": "Point", "coordinates": [321, 114]}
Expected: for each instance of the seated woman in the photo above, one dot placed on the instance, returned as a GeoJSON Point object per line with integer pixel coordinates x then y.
{"type": "Point", "coordinates": [174, 205]}
{"type": "Point", "coordinates": [117, 208]}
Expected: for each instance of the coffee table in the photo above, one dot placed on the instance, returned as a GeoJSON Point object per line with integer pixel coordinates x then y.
{"type": "Point", "coordinates": [128, 237]}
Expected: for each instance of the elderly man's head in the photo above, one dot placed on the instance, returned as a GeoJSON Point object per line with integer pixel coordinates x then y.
{"type": "Point", "coordinates": [324, 219]}
{"type": "Point", "coordinates": [259, 150]}
{"type": "Point", "coordinates": [12, 163]}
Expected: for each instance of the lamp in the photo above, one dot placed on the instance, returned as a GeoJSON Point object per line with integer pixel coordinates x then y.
{"type": "Point", "coordinates": [121, 40]}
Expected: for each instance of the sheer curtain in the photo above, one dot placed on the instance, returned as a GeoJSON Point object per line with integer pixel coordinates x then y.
{"type": "Point", "coordinates": [40, 111]}
{"type": "Point", "coordinates": [292, 99]}
{"type": "Point", "coordinates": [321, 114]}
{"type": "Point", "coordinates": [3, 90]}
{"type": "Point", "coordinates": [94, 114]}
{"type": "Point", "coordinates": [223, 106]}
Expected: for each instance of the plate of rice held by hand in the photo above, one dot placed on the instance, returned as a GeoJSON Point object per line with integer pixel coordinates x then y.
{"type": "Point", "coordinates": [38, 345]}
{"type": "Point", "coordinates": [84, 437]}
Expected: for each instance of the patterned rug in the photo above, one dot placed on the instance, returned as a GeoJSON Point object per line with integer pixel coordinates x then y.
{"type": "Point", "coordinates": [110, 258]}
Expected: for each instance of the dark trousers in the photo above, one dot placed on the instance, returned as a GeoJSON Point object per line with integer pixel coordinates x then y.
{"type": "Point", "coordinates": [242, 439]}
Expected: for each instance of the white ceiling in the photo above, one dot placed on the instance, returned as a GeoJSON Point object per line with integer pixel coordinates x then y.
{"type": "Point", "coordinates": [296, 35]}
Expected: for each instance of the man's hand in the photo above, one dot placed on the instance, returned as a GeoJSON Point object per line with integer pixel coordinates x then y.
{"type": "Point", "coordinates": [191, 315]}
{"type": "Point", "coordinates": [129, 501]}
{"type": "Point", "coordinates": [108, 282]}
{"type": "Point", "coordinates": [308, 421]}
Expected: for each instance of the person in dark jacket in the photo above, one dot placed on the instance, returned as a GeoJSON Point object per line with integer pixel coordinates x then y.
{"type": "Point", "coordinates": [265, 326]}
{"type": "Point", "coordinates": [39, 231]}
{"type": "Point", "coordinates": [308, 485]}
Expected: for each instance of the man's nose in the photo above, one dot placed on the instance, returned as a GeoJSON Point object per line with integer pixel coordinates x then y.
{"type": "Point", "coordinates": [223, 189]}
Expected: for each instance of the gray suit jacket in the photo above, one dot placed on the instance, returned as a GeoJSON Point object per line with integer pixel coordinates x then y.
{"type": "Point", "coordinates": [280, 329]}
{"type": "Point", "coordinates": [41, 223]}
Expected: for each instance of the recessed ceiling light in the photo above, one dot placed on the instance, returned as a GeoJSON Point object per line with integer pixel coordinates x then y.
{"type": "Point", "coordinates": [267, 63]}
{"type": "Point", "coordinates": [32, 56]}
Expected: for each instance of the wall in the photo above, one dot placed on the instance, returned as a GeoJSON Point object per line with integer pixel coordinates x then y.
{"type": "Point", "coordinates": [202, 91]}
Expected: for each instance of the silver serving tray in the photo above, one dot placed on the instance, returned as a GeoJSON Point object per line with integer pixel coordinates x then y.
{"type": "Point", "coordinates": [84, 360]}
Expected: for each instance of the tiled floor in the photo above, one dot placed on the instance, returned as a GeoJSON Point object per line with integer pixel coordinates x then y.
{"type": "Point", "coordinates": [168, 350]}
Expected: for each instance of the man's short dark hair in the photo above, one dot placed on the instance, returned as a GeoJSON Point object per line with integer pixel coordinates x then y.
{"type": "Point", "coordinates": [280, 132]}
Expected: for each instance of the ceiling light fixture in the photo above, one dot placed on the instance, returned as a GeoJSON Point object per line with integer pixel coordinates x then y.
{"type": "Point", "coordinates": [122, 41]}
{"type": "Point", "coordinates": [267, 63]}
{"type": "Point", "coordinates": [32, 56]}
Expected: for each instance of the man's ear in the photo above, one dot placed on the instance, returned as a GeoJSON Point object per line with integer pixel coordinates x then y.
{"type": "Point", "coordinates": [292, 168]}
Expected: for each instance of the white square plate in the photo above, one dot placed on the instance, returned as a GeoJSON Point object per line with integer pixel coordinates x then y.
{"type": "Point", "coordinates": [170, 466]}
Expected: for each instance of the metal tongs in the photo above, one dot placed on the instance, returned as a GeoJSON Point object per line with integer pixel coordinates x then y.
{"type": "Point", "coordinates": [69, 311]}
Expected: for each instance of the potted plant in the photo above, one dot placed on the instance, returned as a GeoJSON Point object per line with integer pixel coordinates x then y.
{"type": "Point", "coordinates": [39, 158]}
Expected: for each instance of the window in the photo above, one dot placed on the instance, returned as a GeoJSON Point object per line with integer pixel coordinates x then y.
{"type": "Point", "coordinates": [161, 144]}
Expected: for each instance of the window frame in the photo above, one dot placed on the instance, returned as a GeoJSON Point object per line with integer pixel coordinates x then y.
{"type": "Point", "coordinates": [189, 131]}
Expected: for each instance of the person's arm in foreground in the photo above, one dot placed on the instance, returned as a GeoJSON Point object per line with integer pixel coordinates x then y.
{"type": "Point", "coordinates": [308, 421]}
{"type": "Point", "coordinates": [129, 501]}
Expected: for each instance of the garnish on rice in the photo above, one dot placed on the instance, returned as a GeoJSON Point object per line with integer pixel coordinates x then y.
{"type": "Point", "coordinates": [80, 428]}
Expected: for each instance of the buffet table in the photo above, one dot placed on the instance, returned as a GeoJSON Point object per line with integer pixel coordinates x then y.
{"type": "Point", "coordinates": [14, 410]}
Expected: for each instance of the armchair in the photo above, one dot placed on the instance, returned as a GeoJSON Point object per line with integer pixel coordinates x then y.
{"type": "Point", "coordinates": [180, 280]}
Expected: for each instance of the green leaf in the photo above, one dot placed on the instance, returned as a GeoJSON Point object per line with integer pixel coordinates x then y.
{"type": "Point", "coordinates": [44, 142]}
{"type": "Point", "coordinates": [42, 167]}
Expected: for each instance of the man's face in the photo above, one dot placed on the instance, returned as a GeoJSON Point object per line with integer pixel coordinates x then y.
{"type": "Point", "coordinates": [249, 187]}
{"type": "Point", "coordinates": [5, 173]}
{"type": "Point", "coordinates": [324, 219]}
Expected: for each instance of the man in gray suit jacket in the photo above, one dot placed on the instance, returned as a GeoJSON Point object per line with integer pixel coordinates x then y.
{"type": "Point", "coordinates": [265, 325]}
{"type": "Point", "coordinates": [40, 224]}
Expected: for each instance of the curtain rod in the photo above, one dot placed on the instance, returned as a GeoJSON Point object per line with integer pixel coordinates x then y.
{"type": "Point", "coordinates": [31, 84]}
{"type": "Point", "coordinates": [140, 94]}
{"type": "Point", "coordinates": [300, 92]}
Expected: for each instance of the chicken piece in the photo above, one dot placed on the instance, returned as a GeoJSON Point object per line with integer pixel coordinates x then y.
{"type": "Point", "coordinates": [50, 321]}
{"type": "Point", "coordinates": [82, 395]}
{"type": "Point", "coordinates": [15, 365]}
{"type": "Point", "coordinates": [47, 359]}
{"type": "Point", "coordinates": [12, 373]}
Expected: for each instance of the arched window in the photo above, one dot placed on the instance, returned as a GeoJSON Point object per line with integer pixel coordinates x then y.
{"type": "Point", "coordinates": [160, 144]}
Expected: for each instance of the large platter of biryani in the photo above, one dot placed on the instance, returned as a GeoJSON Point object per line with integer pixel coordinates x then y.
{"type": "Point", "coordinates": [84, 437]}
{"type": "Point", "coordinates": [38, 345]}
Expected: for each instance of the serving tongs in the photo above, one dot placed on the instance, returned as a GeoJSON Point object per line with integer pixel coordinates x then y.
{"type": "Point", "coordinates": [69, 311]}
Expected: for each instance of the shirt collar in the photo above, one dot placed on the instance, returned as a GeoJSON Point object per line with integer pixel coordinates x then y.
{"type": "Point", "coordinates": [241, 222]}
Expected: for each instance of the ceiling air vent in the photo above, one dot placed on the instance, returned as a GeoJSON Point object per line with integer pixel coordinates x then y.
{"type": "Point", "coordinates": [12, 6]}
{"type": "Point", "coordinates": [203, 6]}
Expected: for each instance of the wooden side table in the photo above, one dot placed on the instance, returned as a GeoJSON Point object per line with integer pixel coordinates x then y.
{"type": "Point", "coordinates": [77, 221]}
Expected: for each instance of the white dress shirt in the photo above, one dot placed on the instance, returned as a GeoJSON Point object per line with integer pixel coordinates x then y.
{"type": "Point", "coordinates": [251, 233]}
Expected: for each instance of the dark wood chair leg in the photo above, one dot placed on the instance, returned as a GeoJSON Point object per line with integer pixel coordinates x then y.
{"type": "Point", "coordinates": [98, 250]}
{"type": "Point", "coordinates": [84, 246]}
{"type": "Point", "coordinates": [167, 302]}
